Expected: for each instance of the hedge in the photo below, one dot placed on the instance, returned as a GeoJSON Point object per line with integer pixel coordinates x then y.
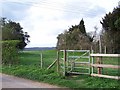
{"type": "Point", "coordinates": [10, 52]}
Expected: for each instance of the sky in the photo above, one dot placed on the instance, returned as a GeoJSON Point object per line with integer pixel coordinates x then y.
{"type": "Point", "coordinates": [45, 19]}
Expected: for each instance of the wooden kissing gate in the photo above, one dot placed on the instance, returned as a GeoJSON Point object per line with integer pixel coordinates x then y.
{"type": "Point", "coordinates": [71, 61]}
{"type": "Point", "coordinates": [82, 62]}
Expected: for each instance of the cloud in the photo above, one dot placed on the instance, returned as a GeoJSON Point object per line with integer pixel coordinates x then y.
{"type": "Point", "coordinates": [108, 5]}
{"type": "Point", "coordinates": [95, 11]}
{"type": "Point", "coordinates": [0, 9]}
{"type": "Point", "coordinates": [14, 11]}
{"type": "Point", "coordinates": [45, 19]}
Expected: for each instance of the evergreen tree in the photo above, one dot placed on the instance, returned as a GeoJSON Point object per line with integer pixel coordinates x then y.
{"type": "Point", "coordinates": [81, 27]}
{"type": "Point", "coordinates": [111, 30]}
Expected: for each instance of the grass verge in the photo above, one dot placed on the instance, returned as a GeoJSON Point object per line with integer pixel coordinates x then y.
{"type": "Point", "coordinates": [29, 68]}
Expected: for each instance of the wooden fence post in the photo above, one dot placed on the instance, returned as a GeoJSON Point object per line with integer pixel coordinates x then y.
{"type": "Point", "coordinates": [58, 65]}
{"type": "Point", "coordinates": [105, 51]}
{"type": "Point", "coordinates": [99, 70]}
{"type": "Point", "coordinates": [65, 58]}
{"type": "Point", "coordinates": [92, 62]}
{"type": "Point", "coordinates": [41, 62]}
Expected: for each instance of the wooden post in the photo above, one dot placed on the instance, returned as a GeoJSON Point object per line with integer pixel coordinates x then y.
{"type": "Point", "coordinates": [41, 62]}
{"type": "Point", "coordinates": [58, 65]}
{"type": "Point", "coordinates": [99, 69]}
{"type": "Point", "coordinates": [100, 44]}
{"type": "Point", "coordinates": [65, 58]}
{"type": "Point", "coordinates": [92, 62]}
{"type": "Point", "coordinates": [89, 62]}
{"type": "Point", "coordinates": [73, 65]}
{"type": "Point", "coordinates": [52, 64]}
{"type": "Point", "coordinates": [105, 51]}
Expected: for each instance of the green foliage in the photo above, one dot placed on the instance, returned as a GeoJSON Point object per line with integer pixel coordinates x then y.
{"type": "Point", "coordinates": [13, 31]}
{"type": "Point", "coordinates": [9, 52]}
{"type": "Point", "coordinates": [82, 27]}
{"type": "Point", "coordinates": [117, 24]}
{"type": "Point", "coordinates": [27, 69]}
{"type": "Point", "coordinates": [111, 31]}
{"type": "Point", "coordinates": [75, 38]}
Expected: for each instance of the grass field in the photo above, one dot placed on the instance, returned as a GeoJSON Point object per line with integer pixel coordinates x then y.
{"type": "Point", "coordinates": [29, 67]}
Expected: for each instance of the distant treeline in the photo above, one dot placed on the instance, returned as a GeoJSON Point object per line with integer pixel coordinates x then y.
{"type": "Point", "coordinates": [39, 48]}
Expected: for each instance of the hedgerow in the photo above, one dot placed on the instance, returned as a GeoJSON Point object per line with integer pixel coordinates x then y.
{"type": "Point", "coordinates": [9, 52]}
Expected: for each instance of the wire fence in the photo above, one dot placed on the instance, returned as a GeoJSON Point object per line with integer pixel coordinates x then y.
{"type": "Point", "coordinates": [42, 58]}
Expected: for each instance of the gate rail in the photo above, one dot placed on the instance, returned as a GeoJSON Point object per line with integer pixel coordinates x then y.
{"type": "Point", "coordinates": [100, 65]}
{"type": "Point", "coordinates": [68, 66]}
{"type": "Point", "coordinates": [62, 63]}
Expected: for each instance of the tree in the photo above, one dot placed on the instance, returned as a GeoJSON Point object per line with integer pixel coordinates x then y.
{"type": "Point", "coordinates": [13, 31]}
{"type": "Point", "coordinates": [74, 38]}
{"type": "Point", "coordinates": [117, 24]}
{"type": "Point", "coordinates": [81, 27]}
{"type": "Point", "coordinates": [111, 30]}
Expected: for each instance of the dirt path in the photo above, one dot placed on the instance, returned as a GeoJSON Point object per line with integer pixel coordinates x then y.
{"type": "Point", "coordinates": [9, 81]}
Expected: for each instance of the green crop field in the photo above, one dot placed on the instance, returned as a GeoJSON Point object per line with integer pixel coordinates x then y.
{"type": "Point", "coordinates": [29, 67]}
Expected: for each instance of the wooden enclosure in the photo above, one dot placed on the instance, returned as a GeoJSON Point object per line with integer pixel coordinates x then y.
{"type": "Point", "coordinates": [65, 65]}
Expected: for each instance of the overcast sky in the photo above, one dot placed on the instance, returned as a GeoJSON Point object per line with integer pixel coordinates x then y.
{"type": "Point", "coordinates": [45, 19]}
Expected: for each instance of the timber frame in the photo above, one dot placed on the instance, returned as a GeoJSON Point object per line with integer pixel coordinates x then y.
{"type": "Point", "coordinates": [99, 65]}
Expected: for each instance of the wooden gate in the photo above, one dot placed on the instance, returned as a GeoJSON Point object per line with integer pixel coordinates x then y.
{"type": "Point", "coordinates": [78, 62]}
{"type": "Point", "coordinates": [74, 62]}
